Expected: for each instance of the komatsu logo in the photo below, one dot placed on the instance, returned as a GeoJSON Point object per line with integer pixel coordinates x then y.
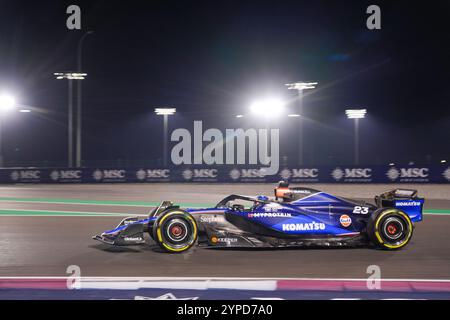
{"type": "Point", "coordinates": [351, 173]}
{"type": "Point", "coordinates": [394, 173]}
{"type": "Point", "coordinates": [407, 204]}
{"type": "Point", "coordinates": [313, 226]}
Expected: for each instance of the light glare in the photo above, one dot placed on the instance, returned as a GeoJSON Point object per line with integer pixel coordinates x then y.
{"type": "Point", "coordinates": [301, 85]}
{"type": "Point", "coordinates": [7, 102]}
{"type": "Point", "coordinates": [165, 111]}
{"type": "Point", "coordinates": [356, 113]}
{"type": "Point", "coordinates": [268, 108]}
{"type": "Point", "coordinates": [70, 75]}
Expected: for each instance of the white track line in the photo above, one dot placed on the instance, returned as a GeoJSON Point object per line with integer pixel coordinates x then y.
{"type": "Point", "coordinates": [75, 213]}
{"type": "Point", "coordinates": [211, 278]}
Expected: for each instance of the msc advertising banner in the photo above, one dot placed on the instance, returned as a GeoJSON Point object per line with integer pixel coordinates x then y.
{"type": "Point", "coordinates": [230, 174]}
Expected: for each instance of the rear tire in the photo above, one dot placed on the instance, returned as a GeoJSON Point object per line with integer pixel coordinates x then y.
{"type": "Point", "coordinates": [389, 229]}
{"type": "Point", "coordinates": [175, 231]}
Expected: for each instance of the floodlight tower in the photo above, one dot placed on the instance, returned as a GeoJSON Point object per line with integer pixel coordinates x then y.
{"type": "Point", "coordinates": [300, 86]}
{"type": "Point", "coordinates": [166, 112]}
{"type": "Point", "coordinates": [356, 114]}
{"type": "Point", "coordinates": [79, 97]}
{"type": "Point", "coordinates": [70, 76]}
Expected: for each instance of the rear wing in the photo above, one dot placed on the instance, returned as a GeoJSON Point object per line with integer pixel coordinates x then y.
{"type": "Point", "coordinates": [406, 200]}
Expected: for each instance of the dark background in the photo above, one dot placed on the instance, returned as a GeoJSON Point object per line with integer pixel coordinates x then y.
{"type": "Point", "coordinates": [210, 59]}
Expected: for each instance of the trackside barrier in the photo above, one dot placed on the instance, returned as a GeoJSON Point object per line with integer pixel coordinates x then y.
{"type": "Point", "coordinates": [230, 174]}
{"type": "Point", "coordinates": [218, 288]}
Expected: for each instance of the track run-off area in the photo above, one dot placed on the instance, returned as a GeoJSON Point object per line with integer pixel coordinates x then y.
{"type": "Point", "coordinates": [44, 229]}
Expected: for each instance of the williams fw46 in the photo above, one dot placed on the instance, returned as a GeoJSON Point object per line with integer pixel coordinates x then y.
{"type": "Point", "coordinates": [296, 217]}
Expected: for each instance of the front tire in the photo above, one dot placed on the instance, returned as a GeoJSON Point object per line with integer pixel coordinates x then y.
{"type": "Point", "coordinates": [175, 231]}
{"type": "Point", "coordinates": [389, 229]}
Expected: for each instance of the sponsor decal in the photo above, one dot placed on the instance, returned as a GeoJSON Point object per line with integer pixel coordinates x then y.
{"type": "Point", "coordinates": [235, 174]}
{"type": "Point", "coordinates": [337, 174]}
{"type": "Point", "coordinates": [352, 174]}
{"type": "Point", "coordinates": [312, 226]}
{"type": "Point", "coordinates": [301, 191]}
{"type": "Point", "coordinates": [345, 220]}
{"type": "Point", "coordinates": [109, 175]}
{"type": "Point", "coordinates": [303, 174]}
{"type": "Point", "coordinates": [66, 175]}
{"type": "Point", "coordinates": [227, 240]}
{"type": "Point", "coordinates": [200, 175]}
{"type": "Point", "coordinates": [247, 175]}
{"type": "Point", "coordinates": [269, 215]}
{"type": "Point", "coordinates": [408, 204]}
{"type": "Point", "coordinates": [25, 175]}
{"type": "Point", "coordinates": [408, 174]}
{"type": "Point", "coordinates": [211, 219]}
{"type": "Point", "coordinates": [153, 174]}
{"type": "Point", "coordinates": [446, 174]}
{"type": "Point", "coordinates": [133, 239]}
{"type": "Point", "coordinates": [285, 174]}
{"type": "Point", "coordinates": [214, 239]}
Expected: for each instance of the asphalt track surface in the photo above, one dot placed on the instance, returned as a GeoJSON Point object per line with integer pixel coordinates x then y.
{"type": "Point", "coordinates": [46, 228]}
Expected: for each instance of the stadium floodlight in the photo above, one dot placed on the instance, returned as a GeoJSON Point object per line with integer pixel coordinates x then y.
{"type": "Point", "coordinates": [166, 112]}
{"type": "Point", "coordinates": [356, 114]}
{"type": "Point", "coordinates": [268, 108]}
{"type": "Point", "coordinates": [25, 110]}
{"type": "Point", "coordinates": [300, 86]}
{"type": "Point", "coordinates": [70, 75]}
{"type": "Point", "coordinates": [443, 161]}
{"type": "Point", "coordinates": [7, 102]}
{"type": "Point", "coordinates": [293, 115]}
{"type": "Point", "coordinates": [239, 116]}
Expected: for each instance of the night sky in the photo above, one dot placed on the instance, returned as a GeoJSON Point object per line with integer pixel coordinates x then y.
{"type": "Point", "coordinates": [210, 59]}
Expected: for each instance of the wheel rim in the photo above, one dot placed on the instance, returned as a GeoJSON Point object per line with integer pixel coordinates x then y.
{"type": "Point", "coordinates": [394, 230]}
{"type": "Point", "coordinates": [177, 230]}
{"type": "Point", "coordinates": [177, 233]}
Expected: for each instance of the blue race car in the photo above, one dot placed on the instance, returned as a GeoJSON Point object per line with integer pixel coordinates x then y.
{"type": "Point", "coordinates": [296, 217]}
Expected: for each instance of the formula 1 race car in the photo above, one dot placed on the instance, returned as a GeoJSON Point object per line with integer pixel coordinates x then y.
{"type": "Point", "coordinates": [296, 217]}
